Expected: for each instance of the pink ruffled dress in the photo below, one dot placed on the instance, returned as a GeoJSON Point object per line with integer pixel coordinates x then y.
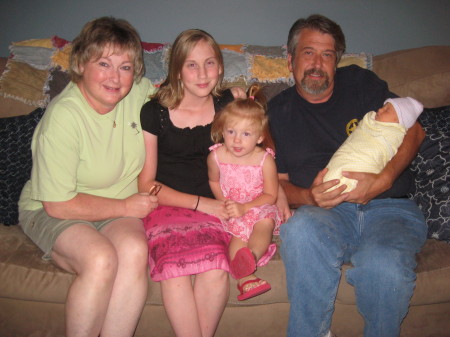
{"type": "Point", "coordinates": [244, 183]}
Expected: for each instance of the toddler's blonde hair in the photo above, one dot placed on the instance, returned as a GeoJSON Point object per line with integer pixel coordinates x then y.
{"type": "Point", "coordinates": [252, 108]}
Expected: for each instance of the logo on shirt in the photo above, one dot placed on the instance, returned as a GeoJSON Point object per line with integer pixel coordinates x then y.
{"type": "Point", "coordinates": [134, 126]}
{"type": "Point", "coordinates": [351, 126]}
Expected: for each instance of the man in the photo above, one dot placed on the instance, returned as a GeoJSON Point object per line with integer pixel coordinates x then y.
{"type": "Point", "coordinates": [374, 226]}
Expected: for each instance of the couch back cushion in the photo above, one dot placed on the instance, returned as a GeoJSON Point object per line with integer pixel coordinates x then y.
{"type": "Point", "coordinates": [15, 161]}
{"type": "Point", "coordinates": [422, 73]}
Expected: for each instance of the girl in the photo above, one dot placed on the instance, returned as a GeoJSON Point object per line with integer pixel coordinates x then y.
{"type": "Point", "coordinates": [182, 240]}
{"type": "Point", "coordinates": [243, 174]}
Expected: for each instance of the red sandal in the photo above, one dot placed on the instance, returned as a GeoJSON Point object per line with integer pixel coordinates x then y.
{"type": "Point", "coordinates": [258, 290]}
{"type": "Point", "coordinates": [243, 264]}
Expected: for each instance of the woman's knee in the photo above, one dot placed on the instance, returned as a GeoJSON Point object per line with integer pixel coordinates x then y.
{"type": "Point", "coordinates": [136, 249]}
{"type": "Point", "coordinates": [214, 277]}
{"type": "Point", "coordinates": [101, 263]}
{"type": "Point", "coordinates": [212, 282]}
{"type": "Point", "coordinates": [132, 249]}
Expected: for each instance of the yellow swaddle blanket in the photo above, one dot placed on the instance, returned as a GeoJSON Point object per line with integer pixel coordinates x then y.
{"type": "Point", "coordinates": [367, 149]}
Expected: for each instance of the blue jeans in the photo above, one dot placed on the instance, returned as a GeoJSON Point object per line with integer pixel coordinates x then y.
{"type": "Point", "coordinates": [380, 240]}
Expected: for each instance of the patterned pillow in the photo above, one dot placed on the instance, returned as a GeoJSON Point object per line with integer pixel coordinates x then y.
{"type": "Point", "coordinates": [15, 161]}
{"type": "Point", "coordinates": [432, 172]}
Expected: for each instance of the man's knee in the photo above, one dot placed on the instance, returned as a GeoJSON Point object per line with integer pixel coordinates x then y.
{"type": "Point", "coordinates": [387, 266]}
{"type": "Point", "coordinates": [304, 225]}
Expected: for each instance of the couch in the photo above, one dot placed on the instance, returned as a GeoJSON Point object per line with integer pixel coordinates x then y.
{"type": "Point", "coordinates": [32, 291]}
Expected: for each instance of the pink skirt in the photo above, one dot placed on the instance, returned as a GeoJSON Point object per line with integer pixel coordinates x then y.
{"type": "Point", "coordinates": [184, 242]}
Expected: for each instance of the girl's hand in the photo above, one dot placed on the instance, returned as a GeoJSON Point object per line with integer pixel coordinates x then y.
{"type": "Point", "coordinates": [234, 209]}
{"type": "Point", "coordinates": [213, 207]}
{"type": "Point", "coordinates": [139, 205]}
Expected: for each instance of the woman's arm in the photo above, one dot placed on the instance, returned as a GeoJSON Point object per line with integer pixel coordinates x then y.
{"type": "Point", "coordinates": [94, 208]}
{"type": "Point", "coordinates": [168, 196]}
{"type": "Point", "coordinates": [146, 178]}
{"type": "Point", "coordinates": [214, 176]}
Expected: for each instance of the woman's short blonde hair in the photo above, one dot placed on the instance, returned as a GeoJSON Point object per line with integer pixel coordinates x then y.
{"type": "Point", "coordinates": [171, 91]}
{"type": "Point", "coordinates": [102, 33]}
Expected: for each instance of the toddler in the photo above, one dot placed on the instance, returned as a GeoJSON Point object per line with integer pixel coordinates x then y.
{"type": "Point", "coordinates": [242, 171]}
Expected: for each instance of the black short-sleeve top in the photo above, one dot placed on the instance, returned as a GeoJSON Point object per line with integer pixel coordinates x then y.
{"type": "Point", "coordinates": [182, 153]}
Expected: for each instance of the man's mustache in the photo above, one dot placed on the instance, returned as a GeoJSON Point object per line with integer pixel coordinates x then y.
{"type": "Point", "coordinates": [315, 72]}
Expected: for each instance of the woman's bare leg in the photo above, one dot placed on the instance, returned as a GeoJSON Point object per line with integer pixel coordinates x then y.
{"type": "Point", "coordinates": [195, 311]}
{"type": "Point", "coordinates": [82, 250]}
{"type": "Point", "coordinates": [211, 290]}
{"type": "Point", "coordinates": [181, 308]}
{"type": "Point", "coordinates": [131, 284]}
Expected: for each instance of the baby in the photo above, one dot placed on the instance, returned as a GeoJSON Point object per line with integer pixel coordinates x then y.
{"type": "Point", "coordinates": [375, 141]}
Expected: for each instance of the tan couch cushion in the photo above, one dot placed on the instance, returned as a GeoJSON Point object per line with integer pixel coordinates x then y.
{"type": "Point", "coordinates": [24, 83]}
{"type": "Point", "coordinates": [422, 73]}
{"type": "Point", "coordinates": [10, 107]}
{"type": "Point", "coordinates": [26, 276]}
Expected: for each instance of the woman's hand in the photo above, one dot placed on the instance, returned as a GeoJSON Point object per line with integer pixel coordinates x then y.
{"type": "Point", "coordinates": [139, 205]}
{"type": "Point", "coordinates": [213, 207]}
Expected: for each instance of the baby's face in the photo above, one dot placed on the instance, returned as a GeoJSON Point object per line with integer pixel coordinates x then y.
{"type": "Point", "coordinates": [387, 113]}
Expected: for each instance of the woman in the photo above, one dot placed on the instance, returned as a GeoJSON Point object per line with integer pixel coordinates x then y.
{"type": "Point", "coordinates": [185, 236]}
{"type": "Point", "coordinates": [81, 205]}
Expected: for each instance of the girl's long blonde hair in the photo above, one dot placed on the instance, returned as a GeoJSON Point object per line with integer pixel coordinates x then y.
{"type": "Point", "coordinates": [171, 91]}
{"type": "Point", "coordinates": [252, 108]}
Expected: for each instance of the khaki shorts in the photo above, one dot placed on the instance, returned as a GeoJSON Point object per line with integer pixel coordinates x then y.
{"type": "Point", "coordinates": [43, 230]}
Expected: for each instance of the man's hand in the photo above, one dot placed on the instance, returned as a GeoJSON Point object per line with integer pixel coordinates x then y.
{"type": "Point", "coordinates": [369, 186]}
{"type": "Point", "coordinates": [326, 199]}
{"type": "Point", "coordinates": [283, 205]}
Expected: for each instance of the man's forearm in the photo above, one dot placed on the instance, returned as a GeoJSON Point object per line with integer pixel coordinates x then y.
{"type": "Point", "coordinates": [296, 196]}
{"type": "Point", "coordinates": [405, 154]}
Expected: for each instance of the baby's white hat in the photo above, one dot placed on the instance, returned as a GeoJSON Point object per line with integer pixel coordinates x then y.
{"type": "Point", "coordinates": [408, 109]}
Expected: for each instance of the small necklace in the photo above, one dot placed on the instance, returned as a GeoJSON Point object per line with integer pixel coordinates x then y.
{"type": "Point", "coordinates": [112, 119]}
